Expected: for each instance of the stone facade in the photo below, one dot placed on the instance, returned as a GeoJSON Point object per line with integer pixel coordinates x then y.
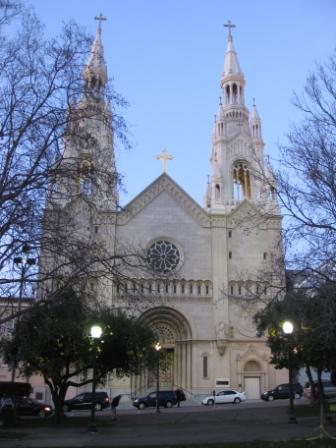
{"type": "Point", "coordinates": [215, 266]}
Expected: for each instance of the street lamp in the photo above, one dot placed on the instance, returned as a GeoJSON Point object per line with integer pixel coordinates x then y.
{"type": "Point", "coordinates": [157, 347]}
{"type": "Point", "coordinates": [95, 333]}
{"type": "Point", "coordinates": [288, 328]}
{"type": "Point", "coordinates": [24, 263]}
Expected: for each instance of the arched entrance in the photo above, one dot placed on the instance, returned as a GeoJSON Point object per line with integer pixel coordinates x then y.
{"type": "Point", "coordinates": [252, 379]}
{"type": "Point", "coordinates": [174, 334]}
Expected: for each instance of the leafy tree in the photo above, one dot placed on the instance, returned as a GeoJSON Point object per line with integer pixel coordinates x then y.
{"type": "Point", "coordinates": [53, 341]}
{"type": "Point", "coordinates": [313, 342]}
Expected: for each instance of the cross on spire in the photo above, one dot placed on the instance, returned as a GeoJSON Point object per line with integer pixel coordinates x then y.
{"type": "Point", "coordinates": [229, 25]}
{"type": "Point", "coordinates": [100, 18]}
{"type": "Point", "coordinates": [164, 156]}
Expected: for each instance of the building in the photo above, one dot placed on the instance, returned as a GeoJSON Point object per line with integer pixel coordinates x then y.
{"type": "Point", "coordinates": [209, 268]}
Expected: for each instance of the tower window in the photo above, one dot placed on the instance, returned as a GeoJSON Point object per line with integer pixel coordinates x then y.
{"type": "Point", "coordinates": [85, 177]}
{"type": "Point", "coordinates": [241, 181]}
{"type": "Point", "coordinates": [231, 290]}
{"type": "Point", "coordinates": [230, 233]}
{"type": "Point", "coordinates": [239, 290]}
{"type": "Point", "coordinates": [265, 255]}
{"type": "Point", "coordinates": [230, 255]}
{"type": "Point", "coordinates": [217, 192]}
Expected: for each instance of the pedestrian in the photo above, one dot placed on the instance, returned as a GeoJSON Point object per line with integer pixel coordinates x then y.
{"type": "Point", "coordinates": [114, 404]}
{"type": "Point", "coordinates": [179, 396]}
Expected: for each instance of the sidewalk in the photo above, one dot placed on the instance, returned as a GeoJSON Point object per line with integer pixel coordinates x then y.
{"type": "Point", "coordinates": [171, 426]}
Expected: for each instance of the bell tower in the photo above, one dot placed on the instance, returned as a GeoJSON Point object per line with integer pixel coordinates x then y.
{"type": "Point", "coordinates": [237, 145]}
{"type": "Point", "coordinates": [87, 167]}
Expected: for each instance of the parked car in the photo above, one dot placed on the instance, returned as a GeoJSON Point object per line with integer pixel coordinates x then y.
{"type": "Point", "coordinates": [29, 406]}
{"type": "Point", "coordinates": [282, 392]}
{"type": "Point", "coordinates": [329, 389]}
{"type": "Point", "coordinates": [225, 396]}
{"type": "Point", "coordinates": [85, 401]}
{"type": "Point", "coordinates": [167, 399]}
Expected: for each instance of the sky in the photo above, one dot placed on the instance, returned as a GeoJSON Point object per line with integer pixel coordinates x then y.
{"type": "Point", "coordinates": [166, 58]}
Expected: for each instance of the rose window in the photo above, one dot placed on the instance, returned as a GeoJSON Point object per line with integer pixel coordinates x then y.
{"type": "Point", "coordinates": [163, 256]}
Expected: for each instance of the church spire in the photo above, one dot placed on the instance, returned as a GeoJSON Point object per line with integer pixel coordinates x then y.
{"type": "Point", "coordinates": [232, 80]}
{"type": "Point", "coordinates": [95, 71]}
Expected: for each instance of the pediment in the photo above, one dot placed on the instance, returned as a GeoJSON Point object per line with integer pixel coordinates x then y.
{"type": "Point", "coordinates": [164, 183]}
{"type": "Point", "coordinates": [245, 213]}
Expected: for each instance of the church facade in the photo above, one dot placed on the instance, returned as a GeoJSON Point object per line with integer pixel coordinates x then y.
{"type": "Point", "coordinates": [210, 268]}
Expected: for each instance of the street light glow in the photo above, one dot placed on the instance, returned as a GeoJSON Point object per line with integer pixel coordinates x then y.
{"type": "Point", "coordinates": [96, 331]}
{"type": "Point", "coordinates": [157, 346]}
{"type": "Point", "coordinates": [287, 327]}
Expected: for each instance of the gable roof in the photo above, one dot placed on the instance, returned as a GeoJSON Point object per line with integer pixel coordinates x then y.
{"type": "Point", "coordinates": [164, 183]}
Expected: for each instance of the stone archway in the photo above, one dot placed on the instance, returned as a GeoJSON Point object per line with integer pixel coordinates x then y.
{"type": "Point", "coordinates": [174, 334]}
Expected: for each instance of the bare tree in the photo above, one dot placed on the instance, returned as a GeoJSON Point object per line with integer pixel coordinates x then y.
{"type": "Point", "coordinates": [307, 185]}
{"type": "Point", "coordinates": [41, 84]}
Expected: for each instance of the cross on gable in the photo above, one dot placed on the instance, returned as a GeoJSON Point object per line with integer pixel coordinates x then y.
{"type": "Point", "coordinates": [164, 156]}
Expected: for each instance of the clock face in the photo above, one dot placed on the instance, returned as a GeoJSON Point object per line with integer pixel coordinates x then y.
{"type": "Point", "coordinates": [163, 256]}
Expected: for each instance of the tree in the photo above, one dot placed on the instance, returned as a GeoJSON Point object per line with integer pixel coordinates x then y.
{"type": "Point", "coordinates": [49, 341]}
{"type": "Point", "coordinates": [306, 183]}
{"type": "Point", "coordinates": [41, 82]}
{"type": "Point", "coordinates": [314, 336]}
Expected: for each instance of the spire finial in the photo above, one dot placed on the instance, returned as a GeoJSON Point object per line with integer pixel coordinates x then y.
{"type": "Point", "coordinates": [229, 25]}
{"type": "Point", "coordinates": [100, 18]}
{"type": "Point", "coordinates": [164, 156]}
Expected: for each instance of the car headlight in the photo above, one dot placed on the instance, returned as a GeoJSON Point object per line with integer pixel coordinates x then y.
{"type": "Point", "coordinates": [47, 408]}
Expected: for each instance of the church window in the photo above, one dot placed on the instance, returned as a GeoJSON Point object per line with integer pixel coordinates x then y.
{"type": "Point", "coordinates": [239, 290]}
{"type": "Point", "coordinates": [163, 256]}
{"type": "Point", "coordinates": [265, 255]}
{"type": "Point", "coordinates": [96, 229]}
{"type": "Point", "coordinates": [85, 177]}
{"type": "Point", "coordinates": [258, 290]}
{"type": "Point", "coordinates": [230, 255]}
{"type": "Point", "coordinates": [207, 290]}
{"type": "Point", "coordinates": [174, 288]}
{"type": "Point", "coordinates": [150, 288]}
{"type": "Point", "coordinates": [231, 290]}
{"type": "Point", "coordinates": [241, 181]}
{"type": "Point", "coordinates": [217, 192]}
{"type": "Point", "coordinates": [205, 366]}
{"type": "Point", "coordinates": [230, 233]}
{"type": "Point", "coordinates": [158, 287]}
{"type": "Point", "coordinates": [190, 289]}
{"type": "Point", "coordinates": [141, 288]}
{"type": "Point", "coordinates": [198, 289]}
{"type": "Point", "coordinates": [182, 289]}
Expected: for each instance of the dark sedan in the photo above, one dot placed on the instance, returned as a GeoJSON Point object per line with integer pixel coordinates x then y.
{"type": "Point", "coordinates": [28, 406]}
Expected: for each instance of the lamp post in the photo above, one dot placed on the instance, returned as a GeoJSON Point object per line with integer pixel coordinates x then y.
{"type": "Point", "coordinates": [95, 333]}
{"type": "Point", "coordinates": [157, 347]}
{"type": "Point", "coordinates": [288, 328]}
{"type": "Point", "coordinates": [24, 263]}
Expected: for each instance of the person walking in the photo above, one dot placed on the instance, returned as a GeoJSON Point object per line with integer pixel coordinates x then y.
{"type": "Point", "coordinates": [114, 404]}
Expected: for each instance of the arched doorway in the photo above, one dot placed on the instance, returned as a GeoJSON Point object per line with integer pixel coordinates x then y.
{"type": "Point", "coordinates": [174, 334]}
{"type": "Point", "coordinates": [252, 379]}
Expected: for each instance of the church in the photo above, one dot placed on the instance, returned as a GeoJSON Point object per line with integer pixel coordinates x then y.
{"type": "Point", "coordinates": [210, 267]}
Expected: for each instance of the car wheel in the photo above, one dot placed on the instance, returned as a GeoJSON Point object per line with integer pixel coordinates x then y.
{"type": "Point", "coordinates": [41, 414]}
{"type": "Point", "coordinates": [210, 402]}
{"type": "Point", "coordinates": [169, 404]}
{"type": "Point", "coordinates": [141, 405]}
{"type": "Point", "coordinates": [270, 398]}
{"type": "Point", "coordinates": [237, 400]}
{"type": "Point", "coordinates": [98, 407]}
{"type": "Point", "coordinates": [67, 408]}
